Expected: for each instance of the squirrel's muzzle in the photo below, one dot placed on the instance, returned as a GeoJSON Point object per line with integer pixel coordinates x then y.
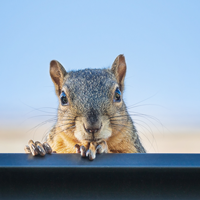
{"type": "Point", "coordinates": [92, 129]}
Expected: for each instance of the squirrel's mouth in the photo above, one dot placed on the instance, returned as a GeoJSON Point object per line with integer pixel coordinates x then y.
{"type": "Point", "coordinates": [94, 140]}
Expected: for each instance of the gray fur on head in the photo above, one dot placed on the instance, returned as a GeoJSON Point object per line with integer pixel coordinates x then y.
{"type": "Point", "coordinates": [91, 90]}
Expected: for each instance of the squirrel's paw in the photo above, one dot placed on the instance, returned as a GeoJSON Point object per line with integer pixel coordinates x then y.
{"type": "Point", "coordinates": [93, 149]}
{"type": "Point", "coordinates": [36, 148]}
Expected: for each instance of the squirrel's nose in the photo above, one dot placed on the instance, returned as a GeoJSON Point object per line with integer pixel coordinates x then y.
{"type": "Point", "coordinates": [91, 129]}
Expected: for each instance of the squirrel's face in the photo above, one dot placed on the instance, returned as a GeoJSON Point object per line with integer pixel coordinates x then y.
{"type": "Point", "coordinates": [90, 100]}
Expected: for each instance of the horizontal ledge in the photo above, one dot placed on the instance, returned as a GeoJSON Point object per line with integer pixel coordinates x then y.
{"type": "Point", "coordinates": [16, 160]}
{"type": "Point", "coordinates": [109, 176]}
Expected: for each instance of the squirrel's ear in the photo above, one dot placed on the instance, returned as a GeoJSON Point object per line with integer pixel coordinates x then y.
{"type": "Point", "coordinates": [57, 72]}
{"type": "Point", "coordinates": [119, 70]}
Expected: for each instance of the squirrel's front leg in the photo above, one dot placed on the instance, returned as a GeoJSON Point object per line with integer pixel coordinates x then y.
{"type": "Point", "coordinates": [36, 148]}
{"type": "Point", "coordinates": [91, 149]}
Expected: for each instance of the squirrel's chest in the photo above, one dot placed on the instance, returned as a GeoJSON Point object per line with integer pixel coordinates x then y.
{"type": "Point", "coordinates": [121, 144]}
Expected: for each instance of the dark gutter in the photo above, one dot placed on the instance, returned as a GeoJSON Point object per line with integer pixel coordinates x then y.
{"type": "Point", "coordinates": [109, 176]}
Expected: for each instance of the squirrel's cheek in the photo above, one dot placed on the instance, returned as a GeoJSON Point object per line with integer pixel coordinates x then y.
{"type": "Point", "coordinates": [106, 133]}
{"type": "Point", "coordinates": [78, 135]}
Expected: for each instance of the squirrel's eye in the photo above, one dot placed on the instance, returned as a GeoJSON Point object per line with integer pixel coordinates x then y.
{"type": "Point", "coordinates": [117, 97]}
{"type": "Point", "coordinates": [63, 99]}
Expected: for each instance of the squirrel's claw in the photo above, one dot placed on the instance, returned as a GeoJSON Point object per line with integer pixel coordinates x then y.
{"type": "Point", "coordinates": [83, 151]}
{"type": "Point", "coordinates": [40, 148]}
{"type": "Point", "coordinates": [95, 148]}
{"type": "Point", "coordinates": [92, 149]}
{"type": "Point", "coordinates": [27, 149]}
{"type": "Point", "coordinates": [91, 152]}
{"type": "Point", "coordinates": [102, 147]}
{"type": "Point", "coordinates": [77, 147]}
{"type": "Point", "coordinates": [36, 148]}
{"type": "Point", "coordinates": [47, 148]}
{"type": "Point", "coordinates": [33, 148]}
{"type": "Point", "coordinates": [80, 149]}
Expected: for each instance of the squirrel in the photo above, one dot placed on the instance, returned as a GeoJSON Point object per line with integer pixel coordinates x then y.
{"type": "Point", "coordinates": [92, 116]}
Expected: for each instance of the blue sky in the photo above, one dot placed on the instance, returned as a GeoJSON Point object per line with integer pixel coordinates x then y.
{"type": "Point", "coordinates": [160, 40]}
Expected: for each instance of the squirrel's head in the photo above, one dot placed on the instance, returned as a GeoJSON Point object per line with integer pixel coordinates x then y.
{"type": "Point", "coordinates": [91, 100]}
